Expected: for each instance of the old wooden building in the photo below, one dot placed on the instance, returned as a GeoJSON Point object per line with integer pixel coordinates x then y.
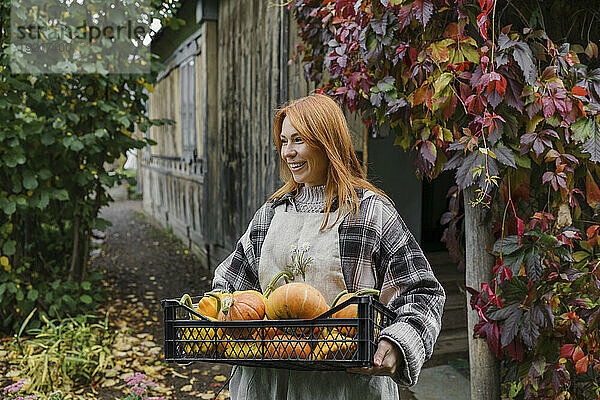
{"type": "Point", "coordinates": [227, 71]}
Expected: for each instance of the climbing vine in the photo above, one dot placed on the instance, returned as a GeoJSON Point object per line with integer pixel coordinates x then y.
{"type": "Point", "coordinates": [507, 95]}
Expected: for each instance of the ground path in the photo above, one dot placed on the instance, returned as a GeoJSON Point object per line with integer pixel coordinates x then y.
{"type": "Point", "coordinates": [145, 264]}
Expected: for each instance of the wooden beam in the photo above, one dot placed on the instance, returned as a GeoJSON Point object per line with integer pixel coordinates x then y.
{"type": "Point", "coordinates": [484, 367]}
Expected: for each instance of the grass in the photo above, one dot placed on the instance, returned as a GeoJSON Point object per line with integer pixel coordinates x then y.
{"type": "Point", "coordinates": [63, 353]}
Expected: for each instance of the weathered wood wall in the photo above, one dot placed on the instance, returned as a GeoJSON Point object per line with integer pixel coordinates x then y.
{"type": "Point", "coordinates": [242, 168]}
{"type": "Point", "coordinates": [173, 187]}
{"type": "Point", "coordinates": [165, 103]}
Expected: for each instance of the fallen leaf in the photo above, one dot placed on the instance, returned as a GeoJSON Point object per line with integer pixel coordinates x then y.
{"type": "Point", "coordinates": [207, 396]}
{"type": "Point", "coordinates": [186, 388]}
{"type": "Point", "coordinates": [109, 383]}
{"type": "Point", "coordinates": [111, 373]}
{"type": "Point", "coordinates": [177, 374]}
{"type": "Point", "coordinates": [220, 378]}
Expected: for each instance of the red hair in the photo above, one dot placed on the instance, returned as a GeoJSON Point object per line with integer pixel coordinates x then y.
{"type": "Point", "coordinates": [321, 123]}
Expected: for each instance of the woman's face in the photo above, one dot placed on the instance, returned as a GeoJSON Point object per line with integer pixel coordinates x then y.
{"type": "Point", "coordinates": [308, 165]}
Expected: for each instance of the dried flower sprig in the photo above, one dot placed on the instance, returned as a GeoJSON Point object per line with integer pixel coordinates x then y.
{"type": "Point", "coordinates": [300, 260]}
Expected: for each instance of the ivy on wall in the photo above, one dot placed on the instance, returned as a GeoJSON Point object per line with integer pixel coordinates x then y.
{"type": "Point", "coordinates": [507, 95]}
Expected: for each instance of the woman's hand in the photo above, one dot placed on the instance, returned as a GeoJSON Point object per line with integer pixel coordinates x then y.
{"type": "Point", "coordinates": [387, 359]}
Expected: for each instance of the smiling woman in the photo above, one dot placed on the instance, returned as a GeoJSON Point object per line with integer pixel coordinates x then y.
{"type": "Point", "coordinates": [308, 164]}
{"type": "Point", "coordinates": [351, 237]}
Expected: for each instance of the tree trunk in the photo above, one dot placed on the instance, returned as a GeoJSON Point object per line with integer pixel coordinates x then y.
{"type": "Point", "coordinates": [484, 367]}
{"type": "Point", "coordinates": [76, 238]}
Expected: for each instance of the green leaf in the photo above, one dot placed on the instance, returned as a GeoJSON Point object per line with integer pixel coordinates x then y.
{"type": "Point", "coordinates": [470, 53]}
{"type": "Point", "coordinates": [9, 247]}
{"type": "Point", "coordinates": [44, 174]}
{"type": "Point", "coordinates": [32, 295]}
{"type": "Point", "coordinates": [85, 285]}
{"type": "Point", "coordinates": [29, 180]}
{"type": "Point", "coordinates": [7, 206]}
{"type": "Point", "coordinates": [68, 299]}
{"type": "Point", "coordinates": [20, 296]}
{"type": "Point", "coordinates": [524, 57]}
{"type": "Point", "coordinates": [86, 299]}
{"type": "Point", "coordinates": [534, 267]}
{"type": "Point", "coordinates": [439, 52]}
{"type": "Point", "coordinates": [125, 121]}
{"type": "Point", "coordinates": [61, 195]}
{"type": "Point", "coordinates": [592, 144]}
{"type": "Point", "coordinates": [101, 133]}
{"type": "Point", "coordinates": [73, 117]}
{"type": "Point", "coordinates": [58, 123]}
{"type": "Point", "coordinates": [583, 128]}
{"type": "Point", "coordinates": [11, 287]}
{"type": "Point", "coordinates": [443, 81]}
{"type": "Point", "coordinates": [386, 84]}
{"type": "Point", "coordinates": [76, 145]}
{"type": "Point", "coordinates": [507, 245]}
{"type": "Point", "coordinates": [43, 200]}
{"type": "Point", "coordinates": [522, 161]}
{"type": "Point", "coordinates": [48, 138]}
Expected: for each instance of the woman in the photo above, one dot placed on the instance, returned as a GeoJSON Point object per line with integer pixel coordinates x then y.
{"type": "Point", "coordinates": [355, 239]}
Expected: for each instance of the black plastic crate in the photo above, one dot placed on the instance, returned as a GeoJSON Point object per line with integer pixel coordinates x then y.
{"type": "Point", "coordinates": [322, 343]}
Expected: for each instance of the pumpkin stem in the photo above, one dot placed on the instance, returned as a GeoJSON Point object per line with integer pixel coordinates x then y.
{"type": "Point", "coordinates": [219, 303]}
{"type": "Point", "coordinates": [366, 291]}
{"type": "Point", "coordinates": [287, 275]}
{"type": "Point", "coordinates": [359, 292]}
{"type": "Point", "coordinates": [337, 298]}
{"type": "Point", "coordinates": [186, 300]}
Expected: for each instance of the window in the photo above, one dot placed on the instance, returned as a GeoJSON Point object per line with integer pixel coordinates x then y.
{"type": "Point", "coordinates": [188, 110]}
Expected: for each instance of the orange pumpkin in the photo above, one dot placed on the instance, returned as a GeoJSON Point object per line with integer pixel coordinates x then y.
{"type": "Point", "coordinates": [210, 304]}
{"type": "Point", "coordinates": [333, 346]}
{"type": "Point", "coordinates": [293, 300]}
{"type": "Point", "coordinates": [242, 306]}
{"type": "Point", "coordinates": [350, 311]}
{"type": "Point", "coordinates": [287, 347]}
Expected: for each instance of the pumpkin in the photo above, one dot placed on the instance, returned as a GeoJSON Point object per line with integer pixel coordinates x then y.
{"type": "Point", "coordinates": [242, 306]}
{"type": "Point", "coordinates": [242, 350]}
{"type": "Point", "coordinates": [210, 304]}
{"type": "Point", "coordinates": [202, 340]}
{"type": "Point", "coordinates": [350, 311]}
{"type": "Point", "coordinates": [287, 347]}
{"type": "Point", "coordinates": [293, 300]}
{"type": "Point", "coordinates": [333, 345]}
{"type": "Point", "coordinates": [266, 333]}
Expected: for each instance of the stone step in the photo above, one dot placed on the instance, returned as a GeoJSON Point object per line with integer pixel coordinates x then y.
{"type": "Point", "coordinates": [454, 319]}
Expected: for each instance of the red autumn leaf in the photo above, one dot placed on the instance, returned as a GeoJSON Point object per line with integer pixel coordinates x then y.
{"type": "Point", "coordinates": [490, 332]}
{"type": "Point", "coordinates": [581, 366]}
{"type": "Point", "coordinates": [483, 23]}
{"type": "Point", "coordinates": [567, 350]}
{"type": "Point", "coordinates": [548, 106]}
{"type": "Point", "coordinates": [579, 91]}
{"type": "Point", "coordinates": [592, 234]}
{"type": "Point", "coordinates": [486, 5]}
{"type": "Point", "coordinates": [422, 10]}
{"type": "Point", "coordinates": [515, 350]}
{"type": "Point", "coordinates": [404, 16]}
{"type": "Point", "coordinates": [591, 190]}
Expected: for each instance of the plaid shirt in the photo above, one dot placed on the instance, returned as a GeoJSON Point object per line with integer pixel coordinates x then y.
{"type": "Point", "coordinates": [376, 247]}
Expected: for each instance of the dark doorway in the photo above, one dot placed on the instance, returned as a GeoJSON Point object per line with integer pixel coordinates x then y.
{"type": "Point", "coordinates": [434, 205]}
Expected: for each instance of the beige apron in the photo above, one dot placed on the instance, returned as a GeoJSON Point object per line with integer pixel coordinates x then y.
{"type": "Point", "coordinates": [289, 229]}
{"type": "Point", "coordinates": [325, 274]}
